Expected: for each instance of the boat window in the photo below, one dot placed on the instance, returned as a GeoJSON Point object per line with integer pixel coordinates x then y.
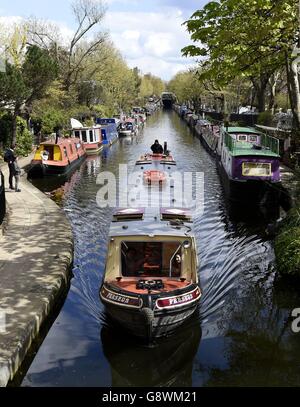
{"type": "Point", "coordinates": [91, 136]}
{"type": "Point", "coordinates": [77, 133]}
{"type": "Point", "coordinates": [71, 149]}
{"type": "Point", "coordinates": [152, 259]}
{"type": "Point", "coordinates": [65, 152]}
{"type": "Point", "coordinates": [83, 136]}
{"type": "Point", "coordinates": [253, 139]}
{"type": "Point", "coordinates": [49, 152]}
{"type": "Point", "coordinates": [242, 137]}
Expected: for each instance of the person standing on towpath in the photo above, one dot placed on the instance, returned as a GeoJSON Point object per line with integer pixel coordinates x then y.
{"type": "Point", "coordinates": [14, 169]}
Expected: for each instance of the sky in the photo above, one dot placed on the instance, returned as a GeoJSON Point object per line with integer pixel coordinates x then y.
{"type": "Point", "coordinates": [149, 33]}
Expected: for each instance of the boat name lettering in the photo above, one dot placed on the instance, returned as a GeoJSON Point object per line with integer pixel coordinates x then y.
{"type": "Point", "coordinates": [178, 300]}
{"type": "Point", "coordinates": [118, 298]}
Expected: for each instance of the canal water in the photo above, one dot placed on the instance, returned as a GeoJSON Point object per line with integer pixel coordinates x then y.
{"type": "Point", "coordinates": [242, 335]}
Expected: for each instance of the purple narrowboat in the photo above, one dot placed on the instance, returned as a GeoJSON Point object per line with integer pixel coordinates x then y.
{"type": "Point", "coordinates": [248, 161]}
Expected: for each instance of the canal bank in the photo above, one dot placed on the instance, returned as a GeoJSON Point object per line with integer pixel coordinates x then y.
{"type": "Point", "coordinates": [36, 252]}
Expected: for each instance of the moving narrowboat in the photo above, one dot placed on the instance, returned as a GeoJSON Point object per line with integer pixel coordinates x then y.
{"type": "Point", "coordinates": [57, 156]}
{"type": "Point", "coordinates": [248, 161]}
{"type": "Point", "coordinates": [151, 286]}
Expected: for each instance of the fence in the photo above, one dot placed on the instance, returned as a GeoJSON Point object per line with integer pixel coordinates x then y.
{"type": "Point", "coordinates": [243, 119]}
{"type": "Point", "coordinates": [2, 198]}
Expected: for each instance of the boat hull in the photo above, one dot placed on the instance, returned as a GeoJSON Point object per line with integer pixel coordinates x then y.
{"type": "Point", "coordinates": [43, 169]}
{"type": "Point", "coordinates": [254, 191]}
{"type": "Point", "coordinates": [137, 324]}
{"type": "Point", "coordinates": [148, 321]}
{"type": "Point", "coordinates": [124, 133]}
{"type": "Point", "coordinates": [93, 151]}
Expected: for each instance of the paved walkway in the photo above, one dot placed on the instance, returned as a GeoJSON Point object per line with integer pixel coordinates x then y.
{"type": "Point", "coordinates": [35, 256]}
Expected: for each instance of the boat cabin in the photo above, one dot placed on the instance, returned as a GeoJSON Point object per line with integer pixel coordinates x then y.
{"type": "Point", "coordinates": [148, 245]}
{"type": "Point", "coordinates": [88, 134]}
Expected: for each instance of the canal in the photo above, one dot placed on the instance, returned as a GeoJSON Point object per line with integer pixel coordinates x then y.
{"type": "Point", "coordinates": [242, 335]}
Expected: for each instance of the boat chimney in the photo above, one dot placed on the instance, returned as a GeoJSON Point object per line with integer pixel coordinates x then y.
{"type": "Point", "coordinates": [165, 147]}
{"type": "Point", "coordinates": [57, 135]}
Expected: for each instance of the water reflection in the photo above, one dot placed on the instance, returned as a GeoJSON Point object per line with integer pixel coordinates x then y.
{"type": "Point", "coordinates": [167, 362]}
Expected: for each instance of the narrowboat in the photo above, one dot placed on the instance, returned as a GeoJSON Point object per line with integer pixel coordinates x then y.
{"type": "Point", "coordinates": [248, 162]}
{"type": "Point", "coordinates": [209, 134]}
{"type": "Point", "coordinates": [109, 130]}
{"type": "Point", "coordinates": [150, 285]}
{"type": "Point", "coordinates": [140, 112]}
{"type": "Point", "coordinates": [127, 128]}
{"type": "Point", "coordinates": [91, 138]}
{"type": "Point", "coordinates": [57, 156]}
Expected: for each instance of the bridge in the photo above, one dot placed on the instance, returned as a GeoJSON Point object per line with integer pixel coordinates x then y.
{"type": "Point", "coordinates": [168, 98]}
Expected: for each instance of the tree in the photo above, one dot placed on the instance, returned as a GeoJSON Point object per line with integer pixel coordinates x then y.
{"type": "Point", "coordinates": [26, 81]}
{"type": "Point", "coordinates": [242, 38]}
{"type": "Point", "coordinates": [88, 14]}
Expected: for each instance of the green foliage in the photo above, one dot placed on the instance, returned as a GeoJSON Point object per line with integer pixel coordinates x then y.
{"type": "Point", "coordinates": [186, 86]}
{"type": "Point", "coordinates": [287, 245]}
{"type": "Point", "coordinates": [287, 250]}
{"type": "Point", "coordinates": [243, 39]}
{"type": "Point", "coordinates": [5, 129]}
{"type": "Point", "coordinates": [265, 118]}
{"type": "Point", "coordinates": [39, 71]}
{"type": "Point", "coordinates": [24, 138]}
{"type": "Point", "coordinates": [50, 118]}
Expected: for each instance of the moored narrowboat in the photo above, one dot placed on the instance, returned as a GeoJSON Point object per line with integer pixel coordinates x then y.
{"type": "Point", "coordinates": [127, 128]}
{"type": "Point", "coordinates": [91, 138]}
{"type": "Point", "coordinates": [209, 134]}
{"type": "Point", "coordinates": [57, 156]}
{"type": "Point", "coordinates": [109, 130]}
{"type": "Point", "coordinates": [248, 161]}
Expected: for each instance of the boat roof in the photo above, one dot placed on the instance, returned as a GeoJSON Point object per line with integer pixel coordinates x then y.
{"type": "Point", "coordinates": [152, 220]}
{"type": "Point", "coordinates": [250, 130]}
{"type": "Point", "coordinates": [268, 146]}
{"type": "Point", "coordinates": [97, 126]}
{"type": "Point", "coordinates": [152, 223]}
{"type": "Point", "coordinates": [249, 151]}
{"type": "Point", "coordinates": [61, 141]}
{"type": "Point", "coordinates": [156, 162]}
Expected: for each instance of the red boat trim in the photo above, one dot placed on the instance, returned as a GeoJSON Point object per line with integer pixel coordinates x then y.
{"type": "Point", "coordinates": [179, 300]}
{"type": "Point", "coordinates": [122, 300]}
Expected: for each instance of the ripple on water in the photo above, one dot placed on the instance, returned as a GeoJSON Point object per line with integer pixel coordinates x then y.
{"type": "Point", "coordinates": [234, 261]}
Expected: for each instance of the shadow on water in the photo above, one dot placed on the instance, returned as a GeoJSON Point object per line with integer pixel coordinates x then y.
{"type": "Point", "coordinates": [168, 362]}
{"type": "Point", "coordinates": [245, 331]}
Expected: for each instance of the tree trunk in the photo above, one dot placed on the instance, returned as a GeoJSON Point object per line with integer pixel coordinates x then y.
{"type": "Point", "coordinates": [295, 91]}
{"type": "Point", "coordinates": [14, 128]}
{"type": "Point", "coordinates": [260, 87]}
{"type": "Point", "coordinates": [273, 83]}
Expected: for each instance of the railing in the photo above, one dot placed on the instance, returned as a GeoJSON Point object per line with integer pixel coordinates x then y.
{"type": "Point", "coordinates": [2, 198]}
{"type": "Point", "coordinates": [266, 142]}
